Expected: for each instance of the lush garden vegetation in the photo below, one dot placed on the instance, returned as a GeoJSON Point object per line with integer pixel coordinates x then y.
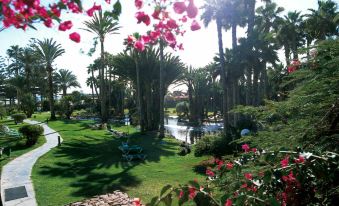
{"type": "Point", "coordinates": [289, 104]}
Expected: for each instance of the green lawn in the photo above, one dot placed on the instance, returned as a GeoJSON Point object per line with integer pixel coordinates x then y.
{"type": "Point", "coordinates": [89, 163]}
{"type": "Point", "coordinates": [18, 147]}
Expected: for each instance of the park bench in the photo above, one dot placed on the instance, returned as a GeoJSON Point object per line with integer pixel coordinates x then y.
{"type": "Point", "coordinates": [130, 157]}
{"type": "Point", "coordinates": [127, 149]}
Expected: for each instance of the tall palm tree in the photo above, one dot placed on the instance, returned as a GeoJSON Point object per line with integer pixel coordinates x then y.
{"type": "Point", "coordinates": [48, 50]}
{"type": "Point", "coordinates": [66, 79]}
{"type": "Point", "coordinates": [102, 25]}
{"type": "Point", "coordinates": [213, 10]}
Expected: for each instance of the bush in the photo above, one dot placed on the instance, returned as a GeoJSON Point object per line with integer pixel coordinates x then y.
{"type": "Point", "coordinates": [211, 145]}
{"type": "Point", "coordinates": [28, 104]}
{"type": "Point", "coordinates": [182, 109]}
{"type": "Point", "coordinates": [32, 133]}
{"type": "Point", "coordinates": [18, 118]}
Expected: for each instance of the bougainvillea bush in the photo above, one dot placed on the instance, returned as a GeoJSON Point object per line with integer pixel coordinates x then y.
{"type": "Point", "coordinates": [260, 177]}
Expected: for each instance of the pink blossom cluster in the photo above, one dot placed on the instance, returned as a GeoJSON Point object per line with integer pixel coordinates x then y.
{"type": "Point", "coordinates": [165, 26]}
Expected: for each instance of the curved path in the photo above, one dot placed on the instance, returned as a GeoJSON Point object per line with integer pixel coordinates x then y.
{"type": "Point", "coordinates": [16, 175]}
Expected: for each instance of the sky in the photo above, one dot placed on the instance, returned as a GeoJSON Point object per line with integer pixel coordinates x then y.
{"type": "Point", "coordinates": [199, 47]}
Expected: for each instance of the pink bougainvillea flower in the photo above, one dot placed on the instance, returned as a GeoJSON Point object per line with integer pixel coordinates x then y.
{"type": "Point", "coordinates": [228, 202]}
{"type": "Point", "coordinates": [146, 39]}
{"type": "Point", "coordinates": [169, 37]}
{"type": "Point", "coordinates": [195, 25]}
{"type": "Point", "coordinates": [210, 173]}
{"type": "Point", "coordinates": [179, 7]}
{"type": "Point", "coordinates": [299, 160]}
{"type": "Point", "coordinates": [181, 194]}
{"type": "Point", "coordinates": [291, 69]}
{"type": "Point", "coordinates": [172, 24]}
{"type": "Point", "coordinates": [184, 19]}
{"type": "Point", "coordinates": [130, 39]}
{"type": "Point", "coordinates": [290, 178]}
{"type": "Point", "coordinates": [142, 17]}
{"type": "Point", "coordinates": [220, 164]}
{"type": "Point", "coordinates": [154, 35]}
{"type": "Point", "coordinates": [254, 150]}
{"type": "Point", "coordinates": [138, 4]}
{"type": "Point", "coordinates": [108, 1]}
{"type": "Point", "coordinates": [192, 10]}
{"type": "Point", "coordinates": [75, 37]}
{"type": "Point", "coordinates": [156, 14]}
{"type": "Point", "coordinates": [181, 47]}
{"type": "Point", "coordinates": [65, 26]}
{"type": "Point", "coordinates": [139, 45]}
{"type": "Point", "coordinates": [48, 22]}
{"type": "Point", "coordinates": [245, 147]}
{"type": "Point", "coordinates": [229, 165]}
{"type": "Point", "coordinates": [137, 201]}
{"type": "Point", "coordinates": [55, 10]}
{"type": "Point", "coordinates": [284, 162]}
{"type": "Point", "coordinates": [93, 9]}
{"type": "Point", "coordinates": [243, 185]}
{"type": "Point", "coordinates": [192, 192]}
{"type": "Point", "coordinates": [248, 176]}
{"type": "Point", "coordinates": [73, 7]}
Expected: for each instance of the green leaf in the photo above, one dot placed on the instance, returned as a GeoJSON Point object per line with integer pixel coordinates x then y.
{"type": "Point", "coordinates": [167, 200]}
{"type": "Point", "coordinates": [224, 198]}
{"type": "Point", "coordinates": [116, 10]}
{"type": "Point", "coordinates": [194, 184]}
{"type": "Point", "coordinates": [165, 189]}
{"type": "Point", "coordinates": [273, 202]}
{"type": "Point", "coordinates": [267, 177]}
{"type": "Point", "coordinates": [153, 201]}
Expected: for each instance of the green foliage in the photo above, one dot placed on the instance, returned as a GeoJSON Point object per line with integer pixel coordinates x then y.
{"type": "Point", "coordinates": [28, 104]}
{"type": "Point", "coordinates": [182, 109]}
{"type": "Point", "coordinates": [32, 133]}
{"type": "Point", "coordinates": [18, 118]}
{"type": "Point", "coordinates": [211, 145]}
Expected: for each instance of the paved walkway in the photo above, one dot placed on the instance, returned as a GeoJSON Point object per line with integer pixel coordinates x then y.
{"type": "Point", "coordinates": [17, 173]}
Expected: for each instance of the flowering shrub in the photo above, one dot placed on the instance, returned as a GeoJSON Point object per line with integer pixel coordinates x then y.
{"type": "Point", "coordinates": [299, 178]}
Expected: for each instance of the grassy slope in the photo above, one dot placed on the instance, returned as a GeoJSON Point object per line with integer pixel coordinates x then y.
{"type": "Point", "coordinates": [18, 148]}
{"type": "Point", "coordinates": [89, 163]}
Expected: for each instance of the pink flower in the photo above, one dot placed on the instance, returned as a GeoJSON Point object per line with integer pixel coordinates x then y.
{"type": "Point", "coordinates": [65, 26]}
{"type": "Point", "coordinates": [229, 165]}
{"type": "Point", "coordinates": [248, 176]}
{"type": "Point", "coordinates": [210, 173]}
{"type": "Point", "coordinates": [284, 162]}
{"type": "Point", "coordinates": [243, 185]}
{"type": "Point", "coordinates": [108, 1]}
{"type": "Point", "coordinates": [131, 39]}
{"type": "Point", "coordinates": [184, 19]}
{"type": "Point", "coordinates": [195, 25]}
{"type": "Point", "coordinates": [73, 7]}
{"type": "Point", "coordinates": [192, 10]}
{"type": "Point", "coordinates": [139, 45]}
{"type": "Point", "coordinates": [75, 37]}
{"type": "Point", "coordinates": [146, 39]}
{"type": "Point", "coordinates": [254, 150]}
{"type": "Point", "coordinates": [172, 24]}
{"type": "Point", "coordinates": [181, 194]}
{"type": "Point", "coordinates": [138, 4]}
{"type": "Point", "coordinates": [291, 69]}
{"type": "Point", "coordinates": [228, 202]}
{"type": "Point", "coordinates": [136, 201]}
{"type": "Point", "coordinates": [154, 35]}
{"type": "Point", "coordinates": [301, 159]}
{"type": "Point", "coordinates": [142, 17]}
{"type": "Point", "coordinates": [48, 22]}
{"type": "Point", "coordinates": [169, 37]}
{"type": "Point", "coordinates": [179, 7]}
{"type": "Point", "coordinates": [156, 13]}
{"type": "Point", "coordinates": [180, 46]}
{"type": "Point", "coordinates": [245, 147]}
{"type": "Point", "coordinates": [220, 164]}
{"type": "Point", "coordinates": [55, 10]}
{"type": "Point", "coordinates": [192, 192]}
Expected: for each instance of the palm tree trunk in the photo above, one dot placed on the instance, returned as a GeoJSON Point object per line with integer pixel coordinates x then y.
{"type": "Point", "coordinates": [223, 75]}
{"type": "Point", "coordinates": [64, 91]}
{"type": "Point", "coordinates": [287, 55]}
{"type": "Point", "coordinates": [102, 83]}
{"type": "Point", "coordinates": [51, 95]}
{"type": "Point", "coordinates": [109, 93]}
{"type": "Point", "coordinates": [161, 93]}
{"type": "Point", "coordinates": [140, 101]}
{"type": "Point", "coordinates": [234, 35]}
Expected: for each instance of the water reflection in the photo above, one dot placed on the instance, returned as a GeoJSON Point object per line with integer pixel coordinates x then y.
{"type": "Point", "coordinates": [183, 132]}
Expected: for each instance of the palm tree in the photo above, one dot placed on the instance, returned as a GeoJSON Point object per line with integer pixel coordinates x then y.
{"type": "Point", "coordinates": [102, 25]}
{"type": "Point", "coordinates": [66, 79]}
{"type": "Point", "coordinates": [213, 11]}
{"type": "Point", "coordinates": [48, 50]}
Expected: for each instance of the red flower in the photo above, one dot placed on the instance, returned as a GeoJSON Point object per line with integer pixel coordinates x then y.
{"type": "Point", "coordinates": [192, 192]}
{"type": "Point", "coordinates": [146, 39]}
{"type": "Point", "coordinates": [154, 35]}
{"type": "Point", "coordinates": [195, 25]}
{"type": "Point", "coordinates": [108, 1]}
{"type": "Point", "coordinates": [65, 26]}
{"type": "Point", "coordinates": [142, 17]}
{"type": "Point", "coordinates": [210, 173]}
{"type": "Point", "coordinates": [291, 69]}
{"type": "Point", "coordinates": [184, 19]}
{"type": "Point", "coordinates": [73, 7]}
{"type": "Point", "coordinates": [93, 9]}
{"type": "Point", "coordinates": [243, 185]}
{"type": "Point", "coordinates": [172, 24]}
{"type": "Point", "coordinates": [138, 4]}
{"type": "Point", "coordinates": [192, 10]}
{"type": "Point", "coordinates": [181, 47]}
{"type": "Point", "coordinates": [131, 39]}
{"type": "Point", "coordinates": [181, 194]}
{"type": "Point", "coordinates": [229, 165]}
{"type": "Point", "coordinates": [228, 202]}
{"type": "Point", "coordinates": [169, 37]}
{"type": "Point", "coordinates": [301, 159]}
{"type": "Point", "coordinates": [284, 162]}
{"type": "Point", "coordinates": [156, 13]}
{"type": "Point", "coordinates": [254, 150]}
{"type": "Point", "coordinates": [55, 10]}
{"type": "Point", "coordinates": [48, 22]}
{"type": "Point", "coordinates": [220, 164]}
{"type": "Point", "coordinates": [245, 147]}
{"type": "Point", "coordinates": [289, 178]}
{"type": "Point", "coordinates": [75, 37]}
{"type": "Point", "coordinates": [179, 7]}
{"type": "Point", "coordinates": [137, 202]}
{"type": "Point", "coordinates": [248, 176]}
{"type": "Point", "coordinates": [139, 45]}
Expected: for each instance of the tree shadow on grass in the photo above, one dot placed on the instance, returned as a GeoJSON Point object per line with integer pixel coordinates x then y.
{"type": "Point", "coordinates": [95, 162]}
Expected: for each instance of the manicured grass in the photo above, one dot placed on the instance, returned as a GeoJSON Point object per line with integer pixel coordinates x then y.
{"type": "Point", "coordinates": [18, 147]}
{"type": "Point", "coordinates": [171, 111]}
{"type": "Point", "coordinates": [89, 163]}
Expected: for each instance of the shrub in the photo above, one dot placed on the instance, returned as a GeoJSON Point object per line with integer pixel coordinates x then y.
{"type": "Point", "coordinates": [32, 133]}
{"type": "Point", "coordinates": [182, 109]}
{"type": "Point", "coordinates": [28, 104]}
{"type": "Point", "coordinates": [18, 118]}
